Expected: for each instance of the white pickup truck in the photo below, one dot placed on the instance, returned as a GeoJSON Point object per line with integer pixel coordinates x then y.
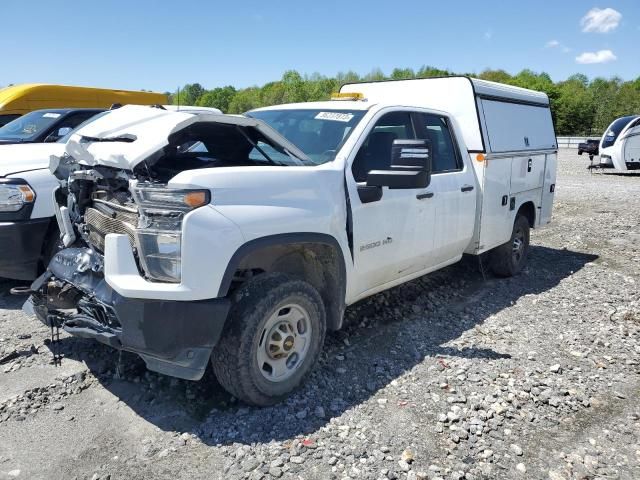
{"type": "Point", "coordinates": [241, 240]}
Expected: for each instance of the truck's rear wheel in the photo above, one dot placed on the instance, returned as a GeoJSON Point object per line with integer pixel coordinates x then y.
{"type": "Point", "coordinates": [510, 258]}
{"type": "Point", "coordinates": [273, 337]}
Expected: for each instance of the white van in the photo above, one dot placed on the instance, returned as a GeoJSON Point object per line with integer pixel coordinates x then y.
{"type": "Point", "coordinates": [620, 145]}
{"type": "Point", "coordinates": [245, 252]}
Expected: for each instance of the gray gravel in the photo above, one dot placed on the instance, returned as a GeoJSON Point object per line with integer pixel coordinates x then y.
{"type": "Point", "coordinates": [450, 376]}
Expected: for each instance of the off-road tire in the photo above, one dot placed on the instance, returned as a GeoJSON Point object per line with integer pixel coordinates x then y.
{"type": "Point", "coordinates": [504, 261]}
{"type": "Point", "coordinates": [234, 359]}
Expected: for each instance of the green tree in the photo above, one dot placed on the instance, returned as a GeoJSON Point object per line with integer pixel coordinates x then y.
{"type": "Point", "coordinates": [218, 98]}
{"type": "Point", "coordinates": [189, 94]}
{"type": "Point", "coordinates": [294, 87]}
{"type": "Point", "coordinates": [604, 92]}
{"type": "Point", "coordinates": [427, 71]}
{"type": "Point", "coordinates": [403, 73]}
{"type": "Point", "coordinates": [245, 99]}
{"type": "Point", "coordinates": [574, 108]}
{"type": "Point", "coordinates": [374, 75]}
{"type": "Point", "coordinates": [499, 76]}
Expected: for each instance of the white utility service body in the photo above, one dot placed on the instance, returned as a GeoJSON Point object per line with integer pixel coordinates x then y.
{"type": "Point", "coordinates": [510, 127]}
{"type": "Point", "coordinates": [620, 145]}
{"type": "Point", "coordinates": [416, 174]}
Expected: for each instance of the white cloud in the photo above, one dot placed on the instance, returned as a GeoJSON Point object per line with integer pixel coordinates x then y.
{"type": "Point", "coordinates": [557, 44]}
{"type": "Point", "coordinates": [601, 56]}
{"type": "Point", "coordinates": [601, 20]}
{"type": "Point", "coordinates": [488, 34]}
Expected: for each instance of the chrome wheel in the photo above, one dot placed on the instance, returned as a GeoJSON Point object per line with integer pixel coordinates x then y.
{"type": "Point", "coordinates": [284, 342]}
{"type": "Point", "coordinates": [518, 246]}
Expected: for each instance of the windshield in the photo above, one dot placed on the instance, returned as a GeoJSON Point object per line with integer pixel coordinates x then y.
{"type": "Point", "coordinates": [28, 126]}
{"type": "Point", "coordinates": [318, 133]}
{"type": "Point", "coordinates": [65, 139]}
{"type": "Point", "coordinates": [614, 131]}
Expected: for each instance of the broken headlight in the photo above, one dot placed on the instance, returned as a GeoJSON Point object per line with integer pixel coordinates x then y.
{"type": "Point", "coordinates": [159, 229]}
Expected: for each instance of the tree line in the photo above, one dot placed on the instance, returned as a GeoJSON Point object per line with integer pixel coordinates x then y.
{"type": "Point", "coordinates": [579, 106]}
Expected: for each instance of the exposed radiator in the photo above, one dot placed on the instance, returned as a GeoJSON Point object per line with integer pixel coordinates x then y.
{"type": "Point", "coordinates": [100, 224]}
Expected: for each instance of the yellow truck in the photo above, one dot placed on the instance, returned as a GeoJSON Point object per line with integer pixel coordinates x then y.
{"type": "Point", "coordinates": [17, 100]}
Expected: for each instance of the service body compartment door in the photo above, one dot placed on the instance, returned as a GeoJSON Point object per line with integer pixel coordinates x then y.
{"type": "Point", "coordinates": [495, 225]}
{"type": "Point", "coordinates": [527, 173]}
{"type": "Point", "coordinates": [549, 188]}
{"type": "Point", "coordinates": [513, 127]}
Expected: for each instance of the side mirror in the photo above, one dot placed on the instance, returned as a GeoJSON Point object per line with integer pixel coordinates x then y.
{"type": "Point", "coordinates": [63, 131]}
{"type": "Point", "coordinates": [410, 166]}
{"type": "Point", "coordinates": [57, 134]}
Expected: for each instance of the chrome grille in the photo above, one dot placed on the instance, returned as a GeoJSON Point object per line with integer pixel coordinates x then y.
{"type": "Point", "coordinates": [100, 224]}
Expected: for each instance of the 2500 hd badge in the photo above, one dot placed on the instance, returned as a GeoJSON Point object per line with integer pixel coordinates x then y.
{"type": "Point", "coordinates": [371, 245]}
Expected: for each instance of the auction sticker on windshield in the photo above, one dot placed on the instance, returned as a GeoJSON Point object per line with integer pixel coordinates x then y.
{"type": "Point", "coordinates": [335, 116]}
{"type": "Point", "coordinates": [50, 115]}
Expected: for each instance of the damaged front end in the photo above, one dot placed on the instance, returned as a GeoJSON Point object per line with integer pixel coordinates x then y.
{"type": "Point", "coordinates": [173, 337]}
{"type": "Point", "coordinates": [98, 202]}
{"type": "Point", "coordinates": [123, 218]}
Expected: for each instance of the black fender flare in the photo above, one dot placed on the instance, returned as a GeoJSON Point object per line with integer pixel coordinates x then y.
{"type": "Point", "coordinates": [259, 243]}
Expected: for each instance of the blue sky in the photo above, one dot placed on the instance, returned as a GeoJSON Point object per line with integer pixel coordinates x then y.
{"type": "Point", "coordinates": [161, 45]}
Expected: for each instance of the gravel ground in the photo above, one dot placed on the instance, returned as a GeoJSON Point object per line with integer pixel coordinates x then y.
{"type": "Point", "coordinates": [450, 376]}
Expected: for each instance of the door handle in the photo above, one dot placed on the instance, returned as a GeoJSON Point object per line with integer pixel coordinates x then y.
{"type": "Point", "coordinates": [466, 188]}
{"type": "Point", "coordinates": [422, 196]}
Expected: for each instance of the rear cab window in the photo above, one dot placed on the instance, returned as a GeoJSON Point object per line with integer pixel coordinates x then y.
{"type": "Point", "coordinates": [446, 156]}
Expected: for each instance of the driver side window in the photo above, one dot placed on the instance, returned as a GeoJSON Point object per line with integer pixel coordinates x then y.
{"type": "Point", "coordinates": [375, 152]}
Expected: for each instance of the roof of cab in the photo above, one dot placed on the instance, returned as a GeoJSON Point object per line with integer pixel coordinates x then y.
{"type": "Point", "coordinates": [327, 105]}
{"type": "Point", "coordinates": [64, 111]}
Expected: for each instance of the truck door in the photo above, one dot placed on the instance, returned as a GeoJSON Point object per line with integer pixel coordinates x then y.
{"type": "Point", "coordinates": [392, 232]}
{"type": "Point", "coordinates": [454, 189]}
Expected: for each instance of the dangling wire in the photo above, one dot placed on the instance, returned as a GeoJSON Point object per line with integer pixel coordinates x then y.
{"type": "Point", "coordinates": [484, 275]}
{"type": "Point", "coordinates": [119, 373]}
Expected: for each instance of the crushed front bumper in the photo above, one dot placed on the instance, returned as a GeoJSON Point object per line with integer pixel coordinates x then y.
{"type": "Point", "coordinates": [172, 337]}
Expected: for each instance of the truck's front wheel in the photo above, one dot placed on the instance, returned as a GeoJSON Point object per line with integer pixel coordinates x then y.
{"type": "Point", "coordinates": [510, 258]}
{"type": "Point", "coordinates": [273, 337]}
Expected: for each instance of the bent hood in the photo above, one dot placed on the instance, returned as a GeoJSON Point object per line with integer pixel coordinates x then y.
{"type": "Point", "coordinates": [17, 158]}
{"type": "Point", "coordinates": [132, 134]}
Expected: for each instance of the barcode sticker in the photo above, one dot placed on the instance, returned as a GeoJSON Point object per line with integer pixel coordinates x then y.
{"type": "Point", "coordinates": [335, 116]}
